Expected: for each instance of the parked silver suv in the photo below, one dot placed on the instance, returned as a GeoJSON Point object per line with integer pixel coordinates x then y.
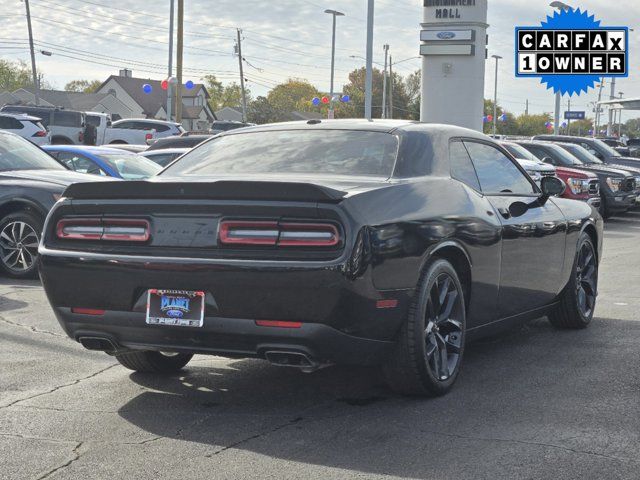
{"type": "Point", "coordinates": [66, 126]}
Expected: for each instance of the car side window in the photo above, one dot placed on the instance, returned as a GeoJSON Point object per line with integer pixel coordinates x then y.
{"type": "Point", "coordinates": [10, 123]}
{"type": "Point", "coordinates": [461, 167]}
{"type": "Point", "coordinates": [540, 153]}
{"type": "Point", "coordinates": [496, 172]}
{"type": "Point", "coordinates": [590, 149]}
{"type": "Point", "coordinates": [78, 163]}
{"type": "Point", "coordinates": [127, 125]}
{"type": "Point", "coordinates": [66, 119]}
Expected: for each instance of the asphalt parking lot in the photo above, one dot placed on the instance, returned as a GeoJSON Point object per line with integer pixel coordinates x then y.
{"type": "Point", "coordinates": [531, 403]}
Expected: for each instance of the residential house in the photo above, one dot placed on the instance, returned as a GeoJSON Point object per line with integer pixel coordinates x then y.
{"type": "Point", "coordinates": [196, 113]}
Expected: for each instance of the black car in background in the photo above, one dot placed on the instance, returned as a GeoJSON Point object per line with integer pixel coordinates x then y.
{"type": "Point", "coordinates": [30, 183]}
{"type": "Point", "coordinates": [617, 187]}
{"type": "Point", "coordinates": [310, 243]}
{"type": "Point", "coordinates": [594, 146]}
{"type": "Point", "coordinates": [182, 141]}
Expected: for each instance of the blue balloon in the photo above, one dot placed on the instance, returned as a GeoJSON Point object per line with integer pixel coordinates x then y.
{"type": "Point", "coordinates": [345, 98]}
{"type": "Point", "coordinates": [189, 85]}
{"type": "Point", "coordinates": [315, 101]}
{"type": "Point", "coordinates": [146, 88]}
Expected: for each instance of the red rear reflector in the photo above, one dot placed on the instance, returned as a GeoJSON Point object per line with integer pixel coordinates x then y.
{"type": "Point", "coordinates": [87, 311]}
{"type": "Point", "coordinates": [387, 303]}
{"type": "Point", "coordinates": [40, 133]}
{"type": "Point", "coordinates": [278, 324]}
{"type": "Point", "coordinates": [148, 136]}
{"type": "Point", "coordinates": [281, 234]}
{"type": "Point", "coordinates": [110, 229]}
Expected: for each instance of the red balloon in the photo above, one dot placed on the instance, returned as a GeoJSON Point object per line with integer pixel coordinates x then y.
{"type": "Point", "coordinates": [164, 84]}
{"type": "Point", "coordinates": [490, 118]}
{"type": "Point", "coordinates": [325, 99]}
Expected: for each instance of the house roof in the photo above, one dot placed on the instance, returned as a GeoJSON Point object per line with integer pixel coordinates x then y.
{"type": "Point", "coordinates": [70, 100]}
{"type": "Point", "coordinates": [150, 102]}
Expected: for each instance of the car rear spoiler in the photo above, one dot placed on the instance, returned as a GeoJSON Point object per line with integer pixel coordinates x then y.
{"type": "Point", "coordinates": [222, 190]}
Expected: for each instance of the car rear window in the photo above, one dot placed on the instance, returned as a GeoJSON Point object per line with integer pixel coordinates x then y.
{"type": "Point", "coordinates": [333, 152]}
{"type": "Point", "coordinates": [131, 166]}
{"type": "Point", "coordinates": [16, 153]}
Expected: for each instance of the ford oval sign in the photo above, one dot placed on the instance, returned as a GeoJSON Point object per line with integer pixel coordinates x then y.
{"type": "Point", "coordinates": [446, 35]}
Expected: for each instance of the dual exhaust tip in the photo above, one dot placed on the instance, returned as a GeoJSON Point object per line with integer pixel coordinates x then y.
{"type": "Point", "coordinates": [280, 358]}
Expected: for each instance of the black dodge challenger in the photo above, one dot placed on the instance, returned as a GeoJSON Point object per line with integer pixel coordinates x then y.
{"type": "Point", "coordinates": [375, 243]}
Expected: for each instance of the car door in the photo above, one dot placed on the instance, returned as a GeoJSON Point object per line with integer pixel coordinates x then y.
{"type": "Point", "coordinates": [533, 238]}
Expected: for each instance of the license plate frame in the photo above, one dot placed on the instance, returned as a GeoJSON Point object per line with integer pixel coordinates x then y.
{"type": "Point", "coordinates": [175, 308]}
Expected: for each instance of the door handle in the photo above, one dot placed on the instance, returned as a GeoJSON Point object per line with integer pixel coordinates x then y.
{"type": "Point", "coordinates": [504, 212]}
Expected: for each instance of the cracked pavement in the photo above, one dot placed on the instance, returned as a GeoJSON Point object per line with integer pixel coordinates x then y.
{"type": "Point", "coordinates": [531, 403]}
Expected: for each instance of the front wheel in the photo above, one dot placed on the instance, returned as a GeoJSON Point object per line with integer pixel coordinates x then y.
{"type": "Point", "coordinates": [578, 299]}
{"type": "Point", "coordinates": [153, 362]}
{"type": "Point", "coordinates": [19, 238]}
{"type": "Point", "coordinates": [429, 350]}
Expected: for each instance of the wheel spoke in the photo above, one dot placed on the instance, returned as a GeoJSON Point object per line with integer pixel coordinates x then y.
{"type": "Point", "coordinates": [582, 299]}
{"type": "Point", "coordinates": [452, 347]}
{"type": "Point", "coordinates": [6, 237]}
{"type": "Point", "coordinates": [5, 259]}
{"type": "Point", "coordinates": [431, 345]}
{"type": "Point", "coordinates": [443, 371]}
{"type": "Point", "coordinates": [443, 290]}
{"type": "Point", "coordinates": [451, 298]}
{"type": "Point", "coordinates": [454, 325]}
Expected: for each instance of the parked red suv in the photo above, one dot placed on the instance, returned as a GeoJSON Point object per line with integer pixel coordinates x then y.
{"type": "Point", "coordinates": [581, 185]}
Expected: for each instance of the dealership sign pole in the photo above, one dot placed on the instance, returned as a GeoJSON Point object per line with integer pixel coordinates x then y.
{"type": "Point", "coordinates": [453, 49]}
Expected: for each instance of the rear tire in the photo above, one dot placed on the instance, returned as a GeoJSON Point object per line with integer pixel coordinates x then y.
{"type": "Point", "coordinates": [429, 350]}
{"type": "Point", "coordinates": [578, 299]}
{"type": "Point", "coordinates": [153, 362]}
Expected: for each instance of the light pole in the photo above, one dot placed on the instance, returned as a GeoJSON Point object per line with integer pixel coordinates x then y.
{"type": "Point", "coordinates": [170, 66]}
{"type": "Point", "coordinates": [495, 96]}
{"type": "Point", "coordinates": [620, 118]}
{"type": "Point", "coordinates": [384, 82]}
{"type": "Point", "coordinates": [334, 14]}
{"type": "Point", "coordinates": [556, 118]}
{"type": "Point", "coordinates": [368, 83]}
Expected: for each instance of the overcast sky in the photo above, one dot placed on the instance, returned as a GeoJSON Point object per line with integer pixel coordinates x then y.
{"type": "Point", "coordinates": [283, 38]}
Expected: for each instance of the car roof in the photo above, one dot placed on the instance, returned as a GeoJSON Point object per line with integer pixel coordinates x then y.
{"type": "Point", "coordinates": [161, 151]}
{"type": "Point", "coordinates": [86, 149]}
{"type": "Point", "coordinates": [569, 138]}
{"type": "Point", "coordinates": [147, 120]}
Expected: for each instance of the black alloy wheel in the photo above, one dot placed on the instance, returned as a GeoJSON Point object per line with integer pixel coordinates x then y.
{"type": "Point", "coordinates": [429, 350]}
{"type": "Point", "coordinates": [578, 300]}
{"type": "Point", "coordinates": [19, 239]}
{"type": "Point", "coordinates": [443, 332]}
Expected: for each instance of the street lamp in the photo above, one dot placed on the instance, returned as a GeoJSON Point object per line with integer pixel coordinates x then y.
{"type": "Point", "coordinates": [334, 14]}
{"type": "Point", "coordinates": [495, 96]}
{"type": "Point", "coordinates": [556, 117]}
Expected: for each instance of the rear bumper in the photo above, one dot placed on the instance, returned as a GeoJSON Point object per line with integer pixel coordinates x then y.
{"type": "Point", "coordinates": [230, 337]}
{"type": "Point", "coordinates": [342, 321]}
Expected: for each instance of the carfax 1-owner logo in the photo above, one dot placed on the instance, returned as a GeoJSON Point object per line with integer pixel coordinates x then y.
{"type": "Point", "coordinates": [571, 51]}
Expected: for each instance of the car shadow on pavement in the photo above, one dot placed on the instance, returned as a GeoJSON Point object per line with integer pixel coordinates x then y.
{"type": "Point", "coordinates": [533, 388]}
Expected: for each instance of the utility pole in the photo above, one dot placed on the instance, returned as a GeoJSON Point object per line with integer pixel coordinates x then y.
{"type": "Point", "coordinates": [334, 14]}
{"type": "Point", "coordinates": [169, 83]}
{"type": "Point", "coordinates": [556, 116]}
{"type": "Point", "coordinates": [620, 118]}
{"type": "Point", "coordinates": [244, 93]}
{"type": "Point", "coordinates": [36, 81]}
{"type": "Point", "coordinates": [390, 86]}
{"type": "Point", "coordinates": [368, 84]}
{"type": "Point", "coordinates": [612, 96]}
{"type": "Point", "coordinates": [384, 82]}
{"type": "Point", "coordinates": [598, 107]}
{"type": "Point", "coordinates": [526, 107]}
{"type": "Point", "coordinates": [179, 62]}
{"type": "Point", "coordinates": [569, 119]}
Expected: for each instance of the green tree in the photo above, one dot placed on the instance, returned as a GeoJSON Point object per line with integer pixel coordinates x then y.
{"type": "Point", "coordinates": [14, 75]}
{"type": "Point", "coordinates": [529, 125]}
{"type": "Point", "coordinates": [413, 86]}
{"type": "Point", "coordinates": [85, 86]}
{"type": "Point", "coordinates": [261, 110]}
{"type": "Point", "coordinates": [215, 89]}
{"type": "Point", "coordinates": [294, 94]}
{"type": "Point", "coordinates": [231, 96]}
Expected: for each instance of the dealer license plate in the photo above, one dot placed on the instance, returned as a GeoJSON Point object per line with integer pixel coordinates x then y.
{"type": "Point", "coordinates": [179, 308]}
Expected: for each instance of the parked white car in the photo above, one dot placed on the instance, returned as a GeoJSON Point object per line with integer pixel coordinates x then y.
{"type": "Point", "coordinates": [161, 127]}
{"type": "Point", "coordinates": [66, 126]}
{"type": "Point", "coordinates": [25, 126]}
{"type": "Point", "coordinates": [110, 133]}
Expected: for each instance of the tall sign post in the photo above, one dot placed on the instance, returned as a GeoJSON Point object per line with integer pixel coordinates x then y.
{"type": "Point", "coordinates": [453, 49]}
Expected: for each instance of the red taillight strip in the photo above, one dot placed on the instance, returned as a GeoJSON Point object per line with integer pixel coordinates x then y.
{"type": "Point", "coordinates": [249, 233]}
{"type": "Point", "coordinates": [287, 234]}
{"type": "Point", "coordinates": [278, 324]}
{"type": "Point", "coordinates": [87, 311]}
{"type": "Point", "coordinates": [109, 229]}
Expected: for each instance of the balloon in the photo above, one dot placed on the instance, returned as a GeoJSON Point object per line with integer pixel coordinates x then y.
{"type": "Point", "coordinates": [325, 99]}
{"type": "Point", "coordinates": [164, 84]}
{"type": "Point", "coordinates": [345, 98]}
{"type": "Point", "coordinates": [189, 85]}
{"type": "Point", "coordinates": [146, 88]}
{"type": "Point", "coordinates": [489, 118]}
{"type": "Point", "coordinates": [315, 101]}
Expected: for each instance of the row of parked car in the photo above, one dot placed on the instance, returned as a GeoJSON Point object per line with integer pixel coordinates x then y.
{"type": "Point", "coordinates": [593, 171]}
{"type": "Point", "coordinates": [50, 125]}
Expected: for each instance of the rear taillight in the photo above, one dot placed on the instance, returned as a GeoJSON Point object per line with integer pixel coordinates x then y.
{"type": "Point", "coordinates": [40, 133]}
{"type": "Point", "coordinates": [148, 136]}
{"type": "Point", "coordinates": [107, 229]}
{"type": "Point", "coordinates": [286, 234]}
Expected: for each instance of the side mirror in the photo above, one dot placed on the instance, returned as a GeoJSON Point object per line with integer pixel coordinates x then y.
{"type": "Point", "coordinates": [552, 186]}
{"type": "Point", "coordinates": [548, 160]}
